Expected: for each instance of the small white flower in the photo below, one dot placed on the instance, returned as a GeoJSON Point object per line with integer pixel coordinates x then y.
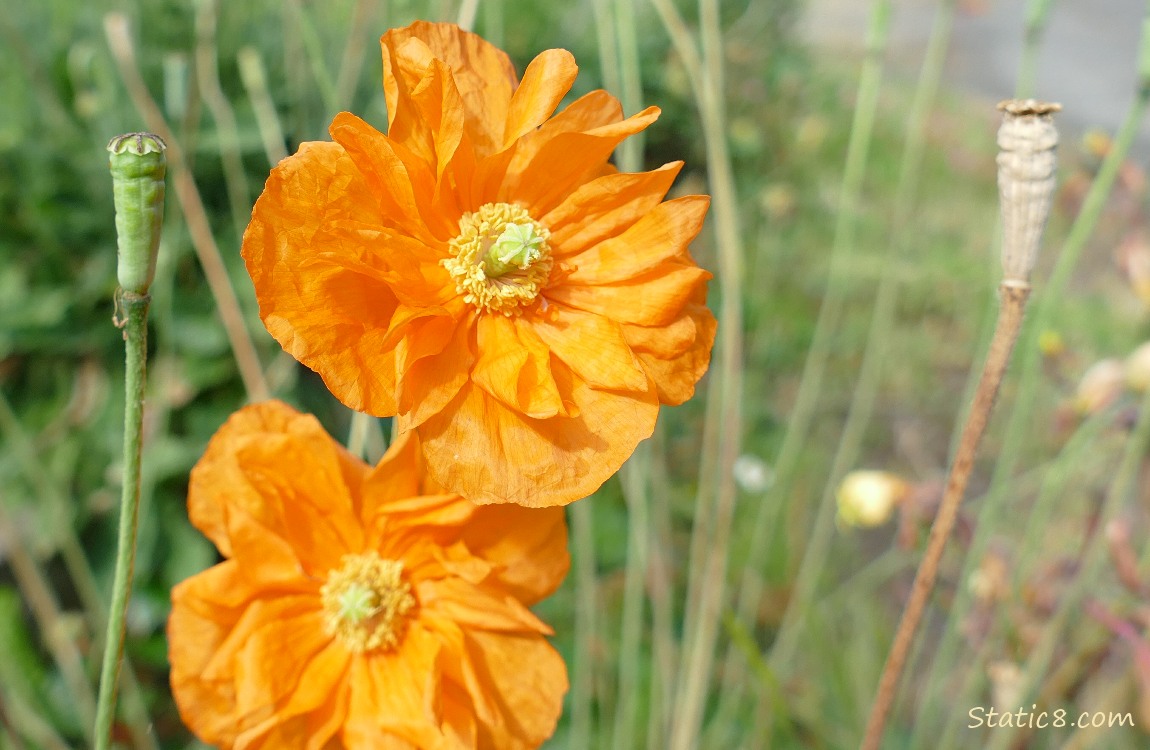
{"type": "Point", "coordinates": [752, 474]}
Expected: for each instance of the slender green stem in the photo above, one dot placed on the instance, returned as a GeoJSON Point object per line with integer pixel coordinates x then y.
{"type": "Point", "coordinates": [227, 129]}
{"type": "Point", "coordinates": [659, 589]}
{"type": "Point", "coordinates": [635, 476]}
{"type": "Point", "coordinates": [716, 497]}
{"type": "Point", "coordinates": [135, 310]}
{"type": "Point", "coordinates": [1037, 13]}
{"type": "Point", "coordinates": [875, 353]}
{"type": "Point", "coordinates": [314, 52]}
{"type": "Point", "coordinates": [22, 448]}
{"type": "Point", "coordinates": [620, 36]}
{"type": "Point", "coordinates": [584, 668]}
{"type": "Point", "coordinates": [350, 65]}
{"type": "Point", "coordinates": [365, 437]}
{"type": "Point", "coordinates": [830, 314]}
{"type": "Point", "coordinates": [263, 106]}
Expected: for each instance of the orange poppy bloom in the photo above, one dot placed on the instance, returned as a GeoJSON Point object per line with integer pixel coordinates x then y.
{"type": "Point", "coordinates": [359, 607]}
{"type": "Point", "coordinates": [484, 273]}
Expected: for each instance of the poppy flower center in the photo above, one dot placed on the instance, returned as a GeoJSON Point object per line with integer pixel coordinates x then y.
{"type": "Point", "coordinates": [501, 258]}
{"type": "Point", "coordinates": [366, 602]}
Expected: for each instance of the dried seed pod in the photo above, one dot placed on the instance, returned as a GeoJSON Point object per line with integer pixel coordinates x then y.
{"type": "Point", "coordinates": [1026, 142]}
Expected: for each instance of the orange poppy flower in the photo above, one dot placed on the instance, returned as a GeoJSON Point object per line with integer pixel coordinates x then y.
{"type": "Point", "coordinates": [484, 273]}
{"type": "Point", "coordinates": [358, 607]}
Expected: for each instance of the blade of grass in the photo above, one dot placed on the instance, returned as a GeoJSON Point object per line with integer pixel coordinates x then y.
{"type": "Point", "coordinates": [830, 315]}
{"type": "Point", "coordinates": [616, 26]}
{"type": "Point", "coordinates": [296, 15]}
{"type": "Point", "coordinates": [227, 131]}
{"type": "Point", "coordinates": [37, 592]}
{"type": "Point", "coordinates": [585, 660]}
{"type": "Point", "coordinates": [1037, 16]}
{"type": "Point", "coordinates": [875, 351]}
{"type": "Point", "coordinates": [715, 500]}
{"type": "Point", "coordinates": [267, 120]}
{"type": "Point", "coordinates": [659, 589]}
{"type": "Point", "coordinates": [351, 64]}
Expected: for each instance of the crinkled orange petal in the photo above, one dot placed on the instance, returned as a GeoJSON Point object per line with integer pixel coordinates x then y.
{"type": "Point", "coordinates": [279, 469]}
{"type": "Point", "coordinates": [393, 695]}
{"type": "Point", "coordinates": [315, 730]}
{"type": "Point", "coordinates": [654, 298]}
{"type": "Point", "coordinates": [663, 234]}
{"type": "Point", "coordinates": [431, 127]}
{"type": "Point", "coordinates": [472, 606]}
{"type": "Point", "coordinates": [676, 355]}
{"type": "Point", "coordinates": [568, 160]}
{"type": "Point", "coordinates": [483, 75]}
{"type": "Point", "coordinates": [545, 82]}
{"type": "Point", "coordinates": [491, 454]}
{"type": "Point", "coordinates": [592, 346]}
{"type": "Point", "coordinates": [605, 207]}
{"type": "Point", "coordinates": [500, 173]}
{"type": "Point", "coordinates": [513, 365]}
{"type": "Point", "coordinates": [385, 173]}
{"type": "Point", "coordinates": [316, 202]}
{"type": "Point", "coordinates": [456, 561]}
{"type": "Point", "coordinates": [197, 627]}
{"type": "Point", "coordinates": [404, 527]}
{"type": "Point", "coordinates": [530, 563]}
{"type": "Point", "coordinates": [430, 382]}
{"type": "Point", "coordinates": [397, 475]}
{"type": "Point", "coordinates": [524, 679]}
{"type": "Point", "coordinates": [275, 476]}
{"type": "Point", "coordinates": [206, 643]}
{"type": "Point", "coordinates": [459, 724]}
{"type": "Point", "coordinates": [309, 715]}
{"type": "Point", "coordinates": [269, 667]}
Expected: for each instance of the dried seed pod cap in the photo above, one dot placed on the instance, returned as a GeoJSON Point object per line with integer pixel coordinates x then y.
{"type": "Point", "coordinates": [1026, 161]}
{"type": "Point", "coordinates": [138, 167]}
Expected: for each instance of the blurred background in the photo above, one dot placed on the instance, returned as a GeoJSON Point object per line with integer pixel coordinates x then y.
{"type": "Point", "coordinates": [738, 585]}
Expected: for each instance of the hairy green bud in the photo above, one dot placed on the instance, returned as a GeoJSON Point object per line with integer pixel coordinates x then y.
{"type": "Point", "coordinates": [138, 166]}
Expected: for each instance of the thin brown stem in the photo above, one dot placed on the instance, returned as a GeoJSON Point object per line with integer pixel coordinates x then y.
{"type": "Point", "coordinates": [192, 205]}
{"type": "Point", "coordinates": [1012, 303]}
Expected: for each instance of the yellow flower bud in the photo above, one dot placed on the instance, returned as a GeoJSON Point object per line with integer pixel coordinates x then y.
{"type": "Point", "coordinates": [868, 498]}
{"type": "Point", "coordinates": [1138, 369]}
{"type": "Point", "coordinates": [1100, 386]}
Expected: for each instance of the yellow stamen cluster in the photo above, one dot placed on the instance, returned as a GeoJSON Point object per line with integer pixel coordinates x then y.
{"type": "Point", "coordinates": [501, 258]}
{"type": "Point", "coordinates": [366, 602]}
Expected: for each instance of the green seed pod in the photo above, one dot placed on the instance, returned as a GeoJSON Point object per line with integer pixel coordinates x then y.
{"type": "Point", "coordinates": [138, 166]}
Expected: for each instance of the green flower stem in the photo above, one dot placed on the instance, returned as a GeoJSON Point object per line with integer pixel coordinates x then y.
{"type": "Point", "coordinates": [134, 308]}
